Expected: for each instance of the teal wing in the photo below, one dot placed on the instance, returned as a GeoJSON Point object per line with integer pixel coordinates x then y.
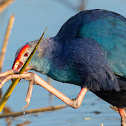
{"type": "Point", "coordinates": [109, 30]}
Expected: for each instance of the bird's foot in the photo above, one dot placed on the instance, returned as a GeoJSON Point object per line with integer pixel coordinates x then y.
{"type": "Point", "coordinates": [5, 74]}
{"type": "Point", "coordinates": [123, 116]}
{"type": "Point", "coordinates": [8, 72]}
{"type": "Point", "coordinates": [27, 76]}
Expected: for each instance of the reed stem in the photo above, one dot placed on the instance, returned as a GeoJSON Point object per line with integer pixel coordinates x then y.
{"type": "Point", "coordinates": [7, 35]}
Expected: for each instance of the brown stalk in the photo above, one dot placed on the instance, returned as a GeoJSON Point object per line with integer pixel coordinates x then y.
{"type": "Point", "coordinates": [50, 94]}
{"type": "Point", "coordinates": [82, 5]}
{"type": "Point", "coordinates": [8, 31]}
{"type": "Point", "coordinates": [21, 113]}
{"type": "Point", "coordinates": [5, 4]}
{"type": "Point", "coordinates": [114, 108]}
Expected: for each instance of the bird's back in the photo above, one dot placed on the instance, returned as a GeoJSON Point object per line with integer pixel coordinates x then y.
{"type": "Point", "coordinates": [107, 28]}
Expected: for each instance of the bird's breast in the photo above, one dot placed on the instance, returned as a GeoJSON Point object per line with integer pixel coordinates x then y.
{"type": "Point", "coordinates": [66, 74]}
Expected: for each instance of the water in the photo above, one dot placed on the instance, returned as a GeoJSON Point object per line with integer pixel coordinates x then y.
{"type": "Point", "coordinates": [31, 18]}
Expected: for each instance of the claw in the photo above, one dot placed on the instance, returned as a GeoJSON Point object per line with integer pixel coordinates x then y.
{"type": "Point", "coordinates": [28, 102]}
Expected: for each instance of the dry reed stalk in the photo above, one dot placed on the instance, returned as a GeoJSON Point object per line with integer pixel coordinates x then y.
{"type": "Point", "coordinates": [8, 31]}
{"type": "Point", "coordinates": [23, 124]}
{"type": "Point", "coordinates": [50, 94]}
{"type": "Point", "coordinates": [21, 113]}
{"type": "Point", "coordinates": [114, 108]}
{"type": "Point", "coordinates": [5, 4]}
{"type": "Point", "coordinates": [82, 5]}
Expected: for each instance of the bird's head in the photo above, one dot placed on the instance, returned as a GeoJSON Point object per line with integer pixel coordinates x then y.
{"type": "Point", "coordinates": [39, 61]}
{"type": "Point", "coordinates": [21, 57]}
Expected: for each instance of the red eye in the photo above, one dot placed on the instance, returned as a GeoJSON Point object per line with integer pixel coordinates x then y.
{"type": "Point", "coordinates": [26, 54]}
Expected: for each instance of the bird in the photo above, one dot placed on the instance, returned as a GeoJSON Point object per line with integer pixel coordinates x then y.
{"type": "Point", "coordinates": [88, 51]}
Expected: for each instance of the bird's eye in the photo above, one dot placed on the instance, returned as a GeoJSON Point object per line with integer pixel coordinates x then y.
{"type": "Point", "coordinates": [26, 54]}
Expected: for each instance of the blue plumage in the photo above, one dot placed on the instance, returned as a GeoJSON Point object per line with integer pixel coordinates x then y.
{"type": "Point", "coordinates": [88, 51]}
{"type": "Point", "coordinates": [109, 30]}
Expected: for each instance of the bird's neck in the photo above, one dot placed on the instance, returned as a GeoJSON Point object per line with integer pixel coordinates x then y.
{"type": "Point", "coordinates": [41, 61]}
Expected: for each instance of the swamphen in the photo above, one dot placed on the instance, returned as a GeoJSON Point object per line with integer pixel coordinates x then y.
{"type": "Point", "coordinates": [88, 51]}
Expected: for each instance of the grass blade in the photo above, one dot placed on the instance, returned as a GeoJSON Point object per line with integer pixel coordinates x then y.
{"type": "Point", "coordinates": [15, 81]}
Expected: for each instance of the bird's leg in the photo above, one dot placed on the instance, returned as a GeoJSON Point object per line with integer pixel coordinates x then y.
{"type": "Point", "coordinates": [73, 103]}
{"type": "Point", "coordinates": [39, 81]}
{"type": "Point", "coordinates": [123, 116]}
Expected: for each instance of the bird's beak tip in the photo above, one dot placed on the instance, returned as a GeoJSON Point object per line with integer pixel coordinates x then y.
{"type": "Point", "coordinates": [17, 65]}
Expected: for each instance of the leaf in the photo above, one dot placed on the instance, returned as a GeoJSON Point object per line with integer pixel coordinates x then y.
{"type": "Point", "coordinates": [15, 81]}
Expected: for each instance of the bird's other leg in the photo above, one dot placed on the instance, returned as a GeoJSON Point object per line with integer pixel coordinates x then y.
{"type": "Point", "coordinates": [75, 103]}
{"type": "Point", "coordinates": [123, 116]}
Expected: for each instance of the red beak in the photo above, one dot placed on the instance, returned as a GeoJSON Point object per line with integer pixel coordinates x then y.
{"type": "Point", "coordinates": [17, 63]}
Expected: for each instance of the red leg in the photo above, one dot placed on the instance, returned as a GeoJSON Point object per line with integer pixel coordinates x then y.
{"type": "Point", "coordinates": [123, 116]}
